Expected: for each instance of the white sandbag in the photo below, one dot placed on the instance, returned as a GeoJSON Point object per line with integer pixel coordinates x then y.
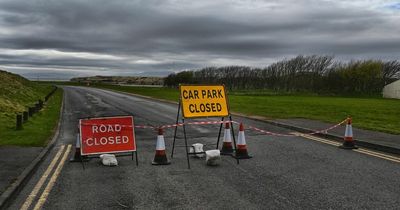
{"type": "Point", "coordinates": [109, 160]}
{"type": "Point", "coordinates": [213, 157]}
{"type": "Point", "coordinates": [197, 148]}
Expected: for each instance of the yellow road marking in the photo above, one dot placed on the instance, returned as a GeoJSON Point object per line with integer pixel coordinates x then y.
{"type": "Point", "coordinates": [380, 155]}
{"type": "Point", "coordinates": [317, 139]}
{"type": "Point", "coordinates": [53, 179]}
{"type": "Point", "coordinates": [41, 181]}
{"type": "Point", "coordinates": [363, 151]}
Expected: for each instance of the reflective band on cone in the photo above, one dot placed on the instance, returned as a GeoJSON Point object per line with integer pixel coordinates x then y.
{"type": "Point", "coordinates": [348, 136]}
{"type": "Point", "coordinates": [161, 157]}
{"type": "Point", "coordinates": [241, 149]}
{"type": "Point", "coordinates": [227, 148]}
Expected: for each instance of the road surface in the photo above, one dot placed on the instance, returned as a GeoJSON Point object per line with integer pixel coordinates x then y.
{"type": "Point", "coordinates": [286, 172]}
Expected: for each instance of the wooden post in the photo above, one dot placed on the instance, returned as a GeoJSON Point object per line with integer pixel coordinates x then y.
{"type": "Point", "coordinates": [19, 122]}
{"type": "Point", "coordinates": [25, 116]}
{"type": "Point", "coordinates": [40, 103]}
{"type": "Point", "coordinates": [31, 111]}
{"type": "Point", "coordinates": [37, 108]}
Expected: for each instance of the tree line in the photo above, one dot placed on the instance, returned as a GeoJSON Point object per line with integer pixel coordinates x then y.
{"type": "Point", "coordinates": [318, 74]}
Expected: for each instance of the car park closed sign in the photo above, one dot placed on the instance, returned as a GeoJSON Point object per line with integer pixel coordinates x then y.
{"type": "Point", "coordinates": [203, 101]}
{"type": "Point", "coordinates": [107, 135]}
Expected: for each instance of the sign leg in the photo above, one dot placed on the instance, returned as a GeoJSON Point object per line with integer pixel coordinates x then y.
{"type": "Point", "coordinates": [173, 143]}
{"type": "Point", "coordinates": [219, 133]}
{"type": "Point", "coordinates": [83, 164]}
{"type": "Point", "coordinates": [233, 137]}
{"type": "Point", "coordinates": [186, 146]}
{"type": "Point", "coordinates": [176, 128]}
{"type": "Point", "coordinates": [137, 161]}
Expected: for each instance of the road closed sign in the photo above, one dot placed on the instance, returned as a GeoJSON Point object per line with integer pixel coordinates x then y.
{"type": "Point", "coordinates": [107, 135]}
{"type": "Point", "coordinates": [203, 101]}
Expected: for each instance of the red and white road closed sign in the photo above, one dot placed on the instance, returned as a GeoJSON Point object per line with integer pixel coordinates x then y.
{"type": "Point", "coordinates": [107, 135]}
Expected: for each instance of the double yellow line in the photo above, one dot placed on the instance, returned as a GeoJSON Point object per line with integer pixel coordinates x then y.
{"type": "Point", "coordinates": [34, 193]}
{"type": "Point", "coordinates": [379, 155]}
{"type": "Point", "coordinates": [360, 150]}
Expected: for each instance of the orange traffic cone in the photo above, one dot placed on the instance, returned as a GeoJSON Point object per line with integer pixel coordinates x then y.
{"type": "Point", "coordinates": [241, 150]}
{"type": "Point", "coordinates": [77, 156]}
{"type": "Point", "coordinates": [348, 136]}
{"type": "Point", "coordinates": [227, 143]}
{"type": "Point", "coordinates": [161, 157]}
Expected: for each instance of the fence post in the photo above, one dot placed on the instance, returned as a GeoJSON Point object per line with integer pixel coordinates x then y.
{"type": "Point", "coordinates": [37, 109]}
{"type": "Point", "coordinates": [31, 111]}
{"type": "Point", "coordinates": [40, 104]}
{"type": "Point", "coordinates": [25, 116]}
{"type": "Point", "coordinates": [19, 122]}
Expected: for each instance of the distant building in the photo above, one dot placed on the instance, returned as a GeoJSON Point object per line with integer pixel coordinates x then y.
{"type": "Point", "coordinates": [392, 90]}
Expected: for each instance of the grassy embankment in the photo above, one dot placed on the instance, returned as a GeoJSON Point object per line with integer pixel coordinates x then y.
{"type": "Point", "coordinates": [16, 94]}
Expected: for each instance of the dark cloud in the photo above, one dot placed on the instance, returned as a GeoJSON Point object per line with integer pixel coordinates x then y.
{"type": "Point", "coordinates": [155, 36]}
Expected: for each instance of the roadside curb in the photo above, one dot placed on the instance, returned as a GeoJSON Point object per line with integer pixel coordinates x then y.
{"type": "Point", "coordinates": [358, 142]}
{"type": "Point", "coordinates": [7, 196]}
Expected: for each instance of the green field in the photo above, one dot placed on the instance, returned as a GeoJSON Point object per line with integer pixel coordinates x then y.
{"type": "Point", "coordinates": [369, 113]}
{"type": "Point", "coordinates": [373, 114]}
{"type": "Point", "coordinates": [18, 93]}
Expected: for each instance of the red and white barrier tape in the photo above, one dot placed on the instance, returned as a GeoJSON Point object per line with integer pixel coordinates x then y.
{"type": "Point", "coordinates": [196, 123]}
{"type": "Point", "coordinates": [228, 121]}
{"type": "Point", "coordinates": [91, 124]}
{"type": "Point", "coordinates": [268, 132]}
{"type": "Point", "coordinates": [330, 128]}
{"type": "Point", "coordinates": [312, 133]}
{"type": "Point", "coordinates": [145, 126]}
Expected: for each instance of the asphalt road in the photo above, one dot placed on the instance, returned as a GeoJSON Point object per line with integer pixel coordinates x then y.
{"type": "Point", "coordinates": [285, 173]}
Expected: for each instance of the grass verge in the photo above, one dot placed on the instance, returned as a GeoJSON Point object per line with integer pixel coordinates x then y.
{"type": "Point", "coordinates": [38, 129]}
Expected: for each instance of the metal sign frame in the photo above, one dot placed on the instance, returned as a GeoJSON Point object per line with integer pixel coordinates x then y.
{"type": "Point", "coordinates": [184, 127]}
{"type": "Point", "coordinates": [120, 153]}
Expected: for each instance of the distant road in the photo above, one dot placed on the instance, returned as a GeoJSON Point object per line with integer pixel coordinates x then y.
{"type": "Point", "coordinates": [133, 85]}
{"type": "Point", "coordinates": [285, 173]}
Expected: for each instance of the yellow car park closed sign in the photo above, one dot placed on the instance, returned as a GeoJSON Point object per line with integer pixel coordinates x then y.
{"type": "Point", "coordinates": [203, 101]}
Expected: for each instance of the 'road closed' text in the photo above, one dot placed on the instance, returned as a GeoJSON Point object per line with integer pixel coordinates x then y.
{"type": "Point", "coordinates": [107, 135]}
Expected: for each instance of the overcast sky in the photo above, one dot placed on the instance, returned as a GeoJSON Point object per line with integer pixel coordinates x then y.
{"type": "Point", "coordinates": [63, 39]}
